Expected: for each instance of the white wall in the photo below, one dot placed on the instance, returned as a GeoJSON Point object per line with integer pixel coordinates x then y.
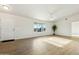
{"type": "Point", "coordinates": [65, 26]}
{"type": "Point", "coordinates": [7, 26]}
{"type": "Point", "coordinates": [13, 26]}
{"type": "Point", "coordinates": [24, 28]}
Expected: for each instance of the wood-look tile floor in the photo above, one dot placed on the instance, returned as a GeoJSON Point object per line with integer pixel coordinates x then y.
{"type": "Point", "coordinates": [36, 46]}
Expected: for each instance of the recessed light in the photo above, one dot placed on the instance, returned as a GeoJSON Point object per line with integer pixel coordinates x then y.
{"type": "Point", "coordinates": [5, 7]}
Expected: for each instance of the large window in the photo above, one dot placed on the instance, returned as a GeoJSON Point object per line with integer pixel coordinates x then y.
{"type": "Point", "coordinates": [39, 27]}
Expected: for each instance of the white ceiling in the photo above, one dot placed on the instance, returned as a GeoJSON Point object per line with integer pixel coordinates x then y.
{"type": "Point", "coordinates": [46, 12]}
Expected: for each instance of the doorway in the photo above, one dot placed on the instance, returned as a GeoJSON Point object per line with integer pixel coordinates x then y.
{"type": "Point", "coordinates": [75, 29]}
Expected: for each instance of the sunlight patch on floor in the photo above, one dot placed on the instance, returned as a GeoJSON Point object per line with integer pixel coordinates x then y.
{"type": "Point", "coordinates": [57, 41]}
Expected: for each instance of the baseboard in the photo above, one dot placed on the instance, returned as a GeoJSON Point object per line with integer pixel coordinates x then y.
{"type": "Point", "coordinates": [8, 40]}
{"type": "Point", "coordinates": [22, 38]}
{"type": "Point", "coordinates": [75, 37]}
{"type": "Point", "coordinates": [40, 36]}
{"type": "Point", "coordinates": [31, 37]}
